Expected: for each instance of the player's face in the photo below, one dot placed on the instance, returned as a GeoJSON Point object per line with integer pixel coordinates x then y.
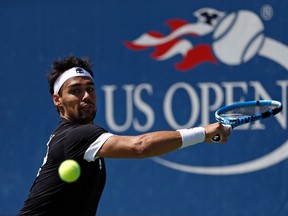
{"type": "Point", "coordinates": [77, 101]}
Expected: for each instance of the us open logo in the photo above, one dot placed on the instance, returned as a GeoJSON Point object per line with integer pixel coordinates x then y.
{"type": "Point", "coordinates": [236, 39]}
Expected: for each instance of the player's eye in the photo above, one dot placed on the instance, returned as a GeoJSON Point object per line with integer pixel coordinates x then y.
{"type": "Point", "coordinates": [90, 89]}
{"type": "Point", "coordinates": [75, 91]}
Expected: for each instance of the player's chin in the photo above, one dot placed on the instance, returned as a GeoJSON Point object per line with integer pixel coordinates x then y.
{"type": "Point", "coordinates": [87, 117]}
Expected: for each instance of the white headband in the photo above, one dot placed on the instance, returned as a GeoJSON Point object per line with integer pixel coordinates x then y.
{"type": "Point", "coordinates": [72, 72]}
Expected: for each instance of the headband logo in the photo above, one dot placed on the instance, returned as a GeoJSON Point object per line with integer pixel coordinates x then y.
{"type": "Point", "coordinates": [72, 72]}
{"type": "Point", "coordinates": [79, 70]}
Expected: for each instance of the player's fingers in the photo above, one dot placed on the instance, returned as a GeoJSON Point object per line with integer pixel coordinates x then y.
{"type": "Point", "coordinates": [224, 139]}
{"type": "Point", "coordinates": [217, 132]}
{"type": "Point", "coordinates": [225, 132]}
{"type": "Point", "coordinates": [227, 127]}
{"type": "Point", "coordinates": [221, 133]}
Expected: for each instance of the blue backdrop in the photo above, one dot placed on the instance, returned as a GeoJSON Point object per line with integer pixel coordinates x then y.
{"type": "Point", "coordinates": [159, 65]}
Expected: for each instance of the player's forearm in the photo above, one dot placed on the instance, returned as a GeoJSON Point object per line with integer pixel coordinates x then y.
{"type": "Point", "coordinates": [158, 143]}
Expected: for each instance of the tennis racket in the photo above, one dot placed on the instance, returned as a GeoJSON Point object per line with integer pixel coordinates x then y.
{"type": "Point", "coordinates": [241, 113]}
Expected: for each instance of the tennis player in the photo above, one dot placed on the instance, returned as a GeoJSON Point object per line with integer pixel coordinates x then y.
{"type": "Point", "coordinates": [77, 137]}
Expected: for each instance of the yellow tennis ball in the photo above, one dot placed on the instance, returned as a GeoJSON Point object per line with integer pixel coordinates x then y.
{"type": "Point", "coordinates": [69, 171]}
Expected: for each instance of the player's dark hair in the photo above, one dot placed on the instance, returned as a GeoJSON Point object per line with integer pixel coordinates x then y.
{"type": "Point", "coordinates": [61, 65]}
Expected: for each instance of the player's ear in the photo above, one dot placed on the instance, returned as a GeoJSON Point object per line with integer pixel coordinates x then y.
{"type": "Point", "coordinates": [57, 100]}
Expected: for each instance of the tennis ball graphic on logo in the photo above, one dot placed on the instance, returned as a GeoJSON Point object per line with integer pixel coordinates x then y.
{"type": "Point", "coordinates": [238, 37]}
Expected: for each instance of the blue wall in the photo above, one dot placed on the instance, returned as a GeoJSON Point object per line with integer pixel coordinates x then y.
{"type": "Point", "coordinates": [248, 60]}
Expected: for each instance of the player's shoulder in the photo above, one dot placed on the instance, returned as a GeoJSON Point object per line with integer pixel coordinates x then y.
{"type": "Point", "coordinates": [75, 128]}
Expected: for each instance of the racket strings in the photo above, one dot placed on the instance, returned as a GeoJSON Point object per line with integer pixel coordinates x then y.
{"type": "Point", "coordinates": [245, 111]}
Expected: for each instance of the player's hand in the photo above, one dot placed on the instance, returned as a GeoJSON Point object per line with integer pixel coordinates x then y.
{"type": "Point", "coordinates": [217, 128]}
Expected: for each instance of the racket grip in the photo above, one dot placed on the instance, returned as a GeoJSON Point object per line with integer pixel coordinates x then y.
{"type": "Point", "coordinates": [217, 138]}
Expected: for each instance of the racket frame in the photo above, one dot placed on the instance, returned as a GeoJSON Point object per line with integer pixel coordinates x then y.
{"type": "Point", "coordinates": [237, 121]}
{"type": "Point", "coordinates": [247, 119]}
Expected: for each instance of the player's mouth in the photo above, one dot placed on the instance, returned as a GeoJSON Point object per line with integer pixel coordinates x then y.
{"type": "Point", "coordinates": [89, 106]}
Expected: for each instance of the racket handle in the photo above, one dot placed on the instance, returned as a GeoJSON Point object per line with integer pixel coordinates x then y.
{"type": "Point", "coordinates": [217, 138]}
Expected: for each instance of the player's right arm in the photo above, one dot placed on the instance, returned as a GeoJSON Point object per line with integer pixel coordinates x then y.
{"type": "Point", "coordinates": [154, 143]}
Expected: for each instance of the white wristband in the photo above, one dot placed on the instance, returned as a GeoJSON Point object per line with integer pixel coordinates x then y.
{"type": "Point", "coordinates": [192, 136]}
